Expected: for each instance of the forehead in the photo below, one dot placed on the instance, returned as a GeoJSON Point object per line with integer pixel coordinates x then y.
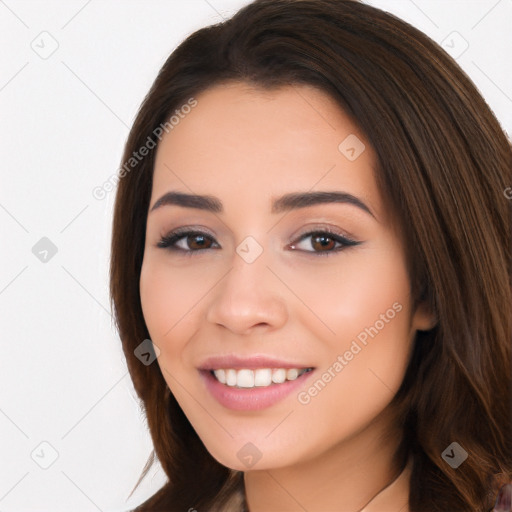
{"type": "Point", "coordinates": [263, 143]}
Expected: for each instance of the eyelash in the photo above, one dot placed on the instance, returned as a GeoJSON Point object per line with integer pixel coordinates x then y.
{"type": "Point", "coordinates": [168, 241]}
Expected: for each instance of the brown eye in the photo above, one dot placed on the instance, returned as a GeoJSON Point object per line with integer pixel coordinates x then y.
{"type": "Point", "coordinates": [322, 242]}
{"type": "Point", "coordinates": [187, 241]}
{"type": "Point", "coordinates": [198, 241]}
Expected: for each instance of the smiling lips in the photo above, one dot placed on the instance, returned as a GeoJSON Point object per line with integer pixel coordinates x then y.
{"type": "Point", "coordinates": [252, 383]}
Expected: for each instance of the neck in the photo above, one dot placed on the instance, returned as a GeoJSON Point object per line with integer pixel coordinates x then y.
{"type": "Point", "coordinates": [345, 477]}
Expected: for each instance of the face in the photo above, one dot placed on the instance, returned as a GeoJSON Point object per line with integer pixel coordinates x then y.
{"type": "Point", "coordinates": [284, 322]}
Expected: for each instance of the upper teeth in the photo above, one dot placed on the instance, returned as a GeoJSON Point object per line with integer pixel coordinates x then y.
{"type": "Point", "coordinates": [260, 377]}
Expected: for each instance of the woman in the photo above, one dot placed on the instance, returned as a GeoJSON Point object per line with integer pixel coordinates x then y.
{"type": "Point", "coordinates": [318, 246]}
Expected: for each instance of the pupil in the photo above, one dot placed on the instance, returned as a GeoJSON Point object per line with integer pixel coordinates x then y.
{"type": "Point", "coordinates": [324, 241]}
{"type": "Point", "coordinates": [198, 241]}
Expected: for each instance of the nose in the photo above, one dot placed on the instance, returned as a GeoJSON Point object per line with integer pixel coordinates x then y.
{"type": "Point", "coordinates": [248, 297]}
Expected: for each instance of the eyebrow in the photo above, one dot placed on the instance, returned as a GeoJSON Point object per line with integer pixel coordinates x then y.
{"type": "Point", "coordinates": [287, 202]}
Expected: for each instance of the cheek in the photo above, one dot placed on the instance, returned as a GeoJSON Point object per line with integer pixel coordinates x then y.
{"type": "Point", "coordinates": [361, 312]}
{"type": "Point", "coordinates": [169, 297]}
{"type": "Point", "coordinates": [344, 298]}
{"type": "Point", "coordinates": [360, 376]}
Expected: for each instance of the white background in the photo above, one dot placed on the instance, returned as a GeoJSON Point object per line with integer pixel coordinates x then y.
{"type": "Point", "coordinates": [63, 123]}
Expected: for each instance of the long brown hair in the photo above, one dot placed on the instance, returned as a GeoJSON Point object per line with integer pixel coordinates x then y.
{"type": "Point", "coordinates": [444, 164]}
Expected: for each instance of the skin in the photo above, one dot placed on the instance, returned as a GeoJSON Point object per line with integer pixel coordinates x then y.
{"type": "Point", "coordinates": [247, 146]}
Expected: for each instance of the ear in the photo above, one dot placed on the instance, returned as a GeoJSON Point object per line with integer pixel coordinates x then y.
{"type": "Point", "coordinates": [423, 318]}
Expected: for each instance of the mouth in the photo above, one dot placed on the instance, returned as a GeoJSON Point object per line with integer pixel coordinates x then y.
{"type": "Point", "coordinates": [246, 378]}
{"type": "Point", "coordinates": [253, 382]}
{"type": "Point", "coordinates": [265, 383]}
